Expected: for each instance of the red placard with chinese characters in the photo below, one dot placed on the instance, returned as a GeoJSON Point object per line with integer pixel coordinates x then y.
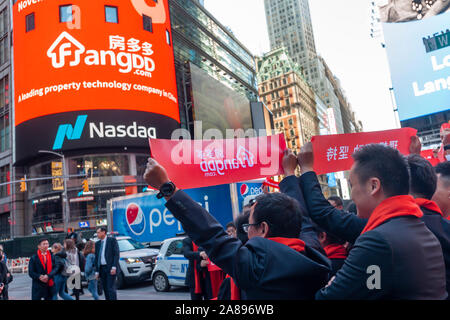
{"type": "Point", "coordinates": [203, 163]}
{"type": "Point", "coordinates": [333, 153]}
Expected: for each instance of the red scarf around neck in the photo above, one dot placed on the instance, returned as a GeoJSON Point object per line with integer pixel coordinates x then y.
{"type": "Point", "coordinates": [430, 205]}
{"type": "Point", "coordinates": [393, 207]}
{"type": "Point", "coordinates": [293, 243]}
{"type": "Point", "coordinates": [47, 267]}
{"type": "Point", "coordinates": [336, 251]}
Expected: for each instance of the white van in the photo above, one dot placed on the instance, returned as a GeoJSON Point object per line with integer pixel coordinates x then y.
{"type": "Point", "coordinates": [171, 265]}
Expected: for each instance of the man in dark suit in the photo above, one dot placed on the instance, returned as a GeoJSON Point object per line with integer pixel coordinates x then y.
{"type": "Point", "coordinates": [273, 264]}
{"type": "Point", "coordinates": [107, 262]}
{"type": "Point", "coordinates": [395, 256]}
{"type": "Point", "coordinates": [423, 184]}
{"type": "Point", "coordinates": [202, 288]}
{"type": "Point", "coordinates": [40, 270]}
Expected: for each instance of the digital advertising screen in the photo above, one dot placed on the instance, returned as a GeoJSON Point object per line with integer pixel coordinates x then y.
{"type": "Point", "coordinates": [217, 106]}
{"type": "Point", "coordinates": [92, 74]}
{"type": "Point", "coordinates": [418, 46]}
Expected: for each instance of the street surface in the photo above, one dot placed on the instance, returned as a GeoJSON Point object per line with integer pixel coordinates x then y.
{"type": "Point", "coordinates": [20, 289]}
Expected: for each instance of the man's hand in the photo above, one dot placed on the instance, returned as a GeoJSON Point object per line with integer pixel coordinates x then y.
{"type": "Point", "coordinates": [289, 163]}
{"type": "Point", "coordinates": [204, 263]}
{"type": "Point", "coordinates": [415, 146]}
{"type": "Point", "coordinates": [306, 158]}
{"type": "Point", "coordinates": [155, 175]}
{"type": "Point", "coordinates": [113, 271]}
{"type": "Point", "coordinates": [204, 255]}
{"type": "Point", "coordinates": [43, 278]}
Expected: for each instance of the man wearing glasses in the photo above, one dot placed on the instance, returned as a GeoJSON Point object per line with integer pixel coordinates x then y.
{"type": "Point", "coordinates": [273, 264]}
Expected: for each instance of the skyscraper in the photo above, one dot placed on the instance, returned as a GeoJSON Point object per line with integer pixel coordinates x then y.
{"type": "Point", "coordinates": [289, 25]}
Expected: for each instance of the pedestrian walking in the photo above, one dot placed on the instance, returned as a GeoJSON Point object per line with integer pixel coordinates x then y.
{"type": "Point", "coordinates": [59, 268]}
{"type": "Point", "coordinates": [89, 270]}
{"type": "Point", "coordinates": [75, 258]}
{"type": "Point", "coordinates": [40, 270]}
{"type": "Point", "coordinates": [107, 262]}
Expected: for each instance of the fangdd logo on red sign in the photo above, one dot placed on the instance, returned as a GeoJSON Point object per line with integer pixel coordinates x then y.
{"type": "Point", "coordinates": [89, 57]}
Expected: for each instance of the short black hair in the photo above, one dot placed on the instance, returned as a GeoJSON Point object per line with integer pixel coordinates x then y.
{"type": "Point", "coordinates": [351, 207]}
{"type": "Point", "coordinates": [443, 169]}
{"type": "Point", "coordinates": [238, 222]}
{"type": "Point", "coordinates": [282, 213]}
{"type": "Point", "coordinates": [423, 179]}
{"type": "Point", "coordinates": [384, 163]}
{"type": "Point", "coordinates": [102, 229]}
{"type": "Point", "coordinates": [42, 240]}
{"type": "Point", "coordinates": [337, 200]}
{"type": "Point", "coordinates": [331, 238]}
{"type": "Point", "coordinates": [230, 224]}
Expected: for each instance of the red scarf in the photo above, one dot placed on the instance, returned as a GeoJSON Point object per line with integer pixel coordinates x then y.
{"type": "Point", "coordinates": [336, 251]}
{"type": "Point", "coordinates": [293, 243]}
{"type": "Point", "coordinates": [47, 267]}
{"type": "Point", "coordinates": [198, 286]}
{"type": "Point", "coordinates": [216, 276]}
{"type": "Point", "coordinates": [430, 205]}
{"type": "Point", "coordinates": [393, 207]}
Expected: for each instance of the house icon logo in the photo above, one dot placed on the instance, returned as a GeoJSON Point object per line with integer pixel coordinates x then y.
{"type": "Point", "coordinates": [65, 46]}
{"type": "Point", "coordinates": [243, 155]}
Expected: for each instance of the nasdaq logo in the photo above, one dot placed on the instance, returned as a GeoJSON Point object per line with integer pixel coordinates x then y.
{"type": "Point", "coordinates": [70, 132]}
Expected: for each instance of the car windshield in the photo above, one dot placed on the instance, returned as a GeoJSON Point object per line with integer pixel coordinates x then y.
{"type": "Point", "coordinates": [129, 245]}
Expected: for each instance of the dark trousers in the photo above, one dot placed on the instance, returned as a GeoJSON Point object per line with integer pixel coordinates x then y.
{"type": "Point", "coordinates": [108, 283]}
{"type": "Point", "coordinates": [4, 294]}
{"type": "Point", "coordinates": [39, 293]}
{"type": "Point", "coordinates": [206, 289]}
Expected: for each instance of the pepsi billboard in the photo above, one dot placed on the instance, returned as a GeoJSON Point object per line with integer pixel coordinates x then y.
{"type": "Point", "coordinates": [145, 218]}
{"type": "Point", "coordinates": [245, 189]}
{"type": "Point", "coordinates": [418, 49]}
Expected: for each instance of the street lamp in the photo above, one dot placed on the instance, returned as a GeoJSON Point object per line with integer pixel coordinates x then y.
{"type": "Point", "coordinates": [66, 207]}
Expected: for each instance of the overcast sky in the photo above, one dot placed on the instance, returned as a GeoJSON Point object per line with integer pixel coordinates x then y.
{"type": "Point", "coordinates": [342, 36]}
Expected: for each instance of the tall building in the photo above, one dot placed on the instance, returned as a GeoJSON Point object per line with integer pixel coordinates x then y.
{"type": "Point", "coordinates": [210, 64]}
{"type": "Point", "coordinates": [284, 90]}
{"type": "Point", "coordinates": [6, 168]}
{"type": "Point", "coordinates": [289, 25]}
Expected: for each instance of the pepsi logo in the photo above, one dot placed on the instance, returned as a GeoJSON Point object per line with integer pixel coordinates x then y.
{"type": "Point", "coordinates": [244, 189]}
{"type": "Point", "coordinates": [135, 219]}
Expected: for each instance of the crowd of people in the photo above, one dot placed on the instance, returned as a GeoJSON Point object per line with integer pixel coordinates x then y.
{"type": "Point", "coordinates": [392, 242]}
{"type": "Point", "coordinates": [51, 270]}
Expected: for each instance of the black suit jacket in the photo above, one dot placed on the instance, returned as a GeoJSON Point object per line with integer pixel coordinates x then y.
{"type": "Point", "coordinates": [441, 229]}
{"type": "Point", "coordinates": [262, 269]}
{"type": "Point", "coordinates": [112, 253]}
{"type": "Point", "coordinates": [36, 269]}
{"type": "Point", "coordinates": [407, 254]}
{"type": "Point", "coordinates": [192, 256]}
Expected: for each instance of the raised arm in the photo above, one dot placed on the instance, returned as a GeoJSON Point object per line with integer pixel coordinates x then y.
{"type": "Point", "coordinates": [201, 226]}
{"type": "Point", "coordinates": [345, 225]}
{"type": "Point", "coordinates": [290, 186]}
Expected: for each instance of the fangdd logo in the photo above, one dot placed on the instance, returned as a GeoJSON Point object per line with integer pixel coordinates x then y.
{"type": "Point", "coordinates": [134, 56]}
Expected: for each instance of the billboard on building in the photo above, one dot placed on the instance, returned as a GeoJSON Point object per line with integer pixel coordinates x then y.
{"type": "Point", "coordinates": [417, 36]}
{"type": "Point", "coordinates": [92, 74]}
{"type": "Point", "coordinates": [217, 106]}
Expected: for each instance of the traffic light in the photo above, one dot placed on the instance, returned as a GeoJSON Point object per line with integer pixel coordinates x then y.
{"type": "Point", "coordinates": [85, 185]}
{"type": "Point", "coordinates": [23, 185]}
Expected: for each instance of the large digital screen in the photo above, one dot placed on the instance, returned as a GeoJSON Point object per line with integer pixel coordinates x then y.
{"type": "Point", "coordinates": [92, 74]}
{"type": "Point", "coordinates": [417, 40]}
{"type": "Point", "coordinates": [217, 106]}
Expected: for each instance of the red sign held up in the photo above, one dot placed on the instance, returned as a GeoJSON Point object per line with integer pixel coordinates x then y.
{"type": "Point", "coordinates": [333, 153]}
{"type": "Point", "coordinates": [203, 163]}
